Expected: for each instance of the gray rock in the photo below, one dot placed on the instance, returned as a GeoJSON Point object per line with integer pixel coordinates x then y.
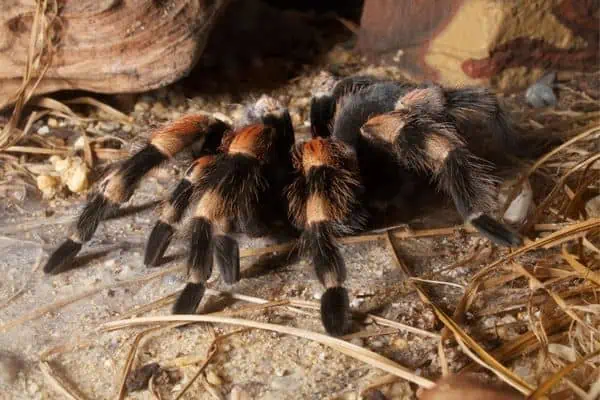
{"type": "Point", "coordinates": [540, 94]}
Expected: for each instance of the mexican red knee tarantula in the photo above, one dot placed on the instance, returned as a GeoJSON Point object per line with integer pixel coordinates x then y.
{"type": "Point", "coordinates": [372, 140]}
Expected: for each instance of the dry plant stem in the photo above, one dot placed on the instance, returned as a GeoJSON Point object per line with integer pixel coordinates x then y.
{"type": "Point", "coordinates": [443, 359]}
{"type": "Point", "coordinates": [546, 202]}
{"type": "Point", "coordinates": [38, 62]}
{"type": "Point", "coordinates": [554, 379]}
{"type": "Point", "coordinates": [131, 358]}
{"type": "Point", "coordinates": [571, 232]}
{"type": "Point", "coordinates": [64, 302]}
{"type": "Point", "coordinates": [212, 350]}
{"type": "Point", "coordinates": [113, 113]}
{"type": "Point", "coordinates": [547, 156]}
{"type": "Point", "coordinates": [581, 269]}
{"type": "Point", "coordinates": [36, 150]}
{"type": "Point", "coordinates": [379, 382]}
{"type": "Point", "coordinates": [58, 383]}
{"type": "Point", "coordinates": [349, 349]}
{"type": "Point", "coordinates": [490, 362]}
{"type": "Point", "coordinates": [210, 389]}
{"type": "Point", "coordinates": [536, 284]}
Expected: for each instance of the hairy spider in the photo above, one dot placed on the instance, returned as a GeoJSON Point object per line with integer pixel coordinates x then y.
{"type": "Point", "coordinates": [235, 185]}
{"type": "Point", "coordinates": [375, 144]}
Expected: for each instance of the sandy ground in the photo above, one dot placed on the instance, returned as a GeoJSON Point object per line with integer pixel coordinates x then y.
{"type": "Point", "coordinates": [262, 365]}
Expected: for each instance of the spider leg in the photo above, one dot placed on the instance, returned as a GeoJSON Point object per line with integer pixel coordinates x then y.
{"type": "Point", "coordinates": [199, 262]}
{"type": "Point", "coordinates": [173, 211]}
{"type": "Point", "coordinates": [438, 149]}
{"type": "Point", "coordinates": [324, 201]}
{"type": "Point", "coordinates": [118, 187]}
{"type": "Point", "coordinates": [179, 200]}
{"type": "Point", "coordinates": [227, 258]}
{"type": "Point", "coordinates": [231, 194]}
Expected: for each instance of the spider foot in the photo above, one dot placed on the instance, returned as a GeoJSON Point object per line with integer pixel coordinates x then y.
{"type": "Point", "coordinates": [189, 299]}
{"type": "Point", "coordinates": [335, 309]}
{"type": "Point", "coordinates": [495, 231]}
{"type": "Point", "coordinates": [62, 256]}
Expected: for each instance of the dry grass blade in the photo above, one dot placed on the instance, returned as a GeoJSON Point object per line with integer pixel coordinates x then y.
{"type": "Point", "coordinates": [211, 352]}
{"type": "Point", "coordinates": [490, 362]}
{"type": "Point", "coordinates": [58, 383]}
{"type": "Point", "coordinates": [130, 359]}
{"type": "Point", "coordinates": [584, 271]}
{"type": "Point", "coordinates": [39, 59]}
{"type": "Point", "coordinates": [349, 349]}
{"type": "Point", "coordinates": [561, 182]}
{"type": "Point", "coordinates": [554, 379]}
{"type": "Point", "coordinates": [36, 150]}
{"type": "Point", "coordinates": [570, 232]}
{"type": "Point", "coordinates": [116, 114]}
{"type": "Point", "coordinates": [560, 148]}
{"type": "Point", "coordinates": [385, 380]}
{"type": "Point", "coordinates": [560, 302]}
{"type": "Point", "coordinates": [55, 105]}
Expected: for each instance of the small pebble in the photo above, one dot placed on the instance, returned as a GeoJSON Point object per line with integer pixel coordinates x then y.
{"type": "Point", "coordinates": [127, 128]}
{"type": "Point", "coordinates": [521, 206]}
{"type": "Point", "coordinates": [159, 109]}
{"type": "Point", "coordinates": [48, 185]}
{"type": "Point", "coordinates": [33, 388]}
{"type": "Point", "coordinates": [400, 343]}
{"type": "Point", "coordinates": [44, 130]}
{"type": "Point", "coordinates": [79, 142]}
{"type": "Point", "coordinates": [356, 302]}
{"type": "Point", "coordinates": [52, 123]}
{"type": "Point", "coordinates": [238, 394]}
{"type": "Point", "coordinates": [592, 207]}
{"type": "Point", "coordinates": [540, 94]}
{"type": "Point", "coordinates": [357, 341]}
{"type": "Point", "coordinates": [142, 105]}
{"type": "Point", "coordinates": [108, 126]}
{"type": "Point", "coordinates": [213, 378]}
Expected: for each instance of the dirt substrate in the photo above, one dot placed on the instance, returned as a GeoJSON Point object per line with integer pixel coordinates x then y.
{"type": "Point", "coordinates": [253, 363]}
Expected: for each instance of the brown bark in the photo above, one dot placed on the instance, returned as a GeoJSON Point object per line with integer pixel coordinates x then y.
{"type": "Point", "coordinates": [109, 46]}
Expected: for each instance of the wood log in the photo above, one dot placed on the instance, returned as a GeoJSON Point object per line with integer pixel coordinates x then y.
{"type": "Point", "coordinates": [504, 43]}
{"type": "Point", "coordinates": [108, 46]}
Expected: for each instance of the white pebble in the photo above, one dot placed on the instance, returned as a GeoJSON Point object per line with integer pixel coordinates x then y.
{"type": "Point", "coordinates": [356, 302]}
{"type": "Point", "coordinates": [44, 130]}
{"type": "Point", "coordinates": [592, 207]}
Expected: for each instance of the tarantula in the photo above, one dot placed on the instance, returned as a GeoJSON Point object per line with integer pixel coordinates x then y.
{"type": "Point", "coordinates": [235, 185]}
{"type": "Point", "coordinates": [374, 143]}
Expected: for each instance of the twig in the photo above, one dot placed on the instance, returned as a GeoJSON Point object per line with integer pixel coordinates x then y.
{"type": "Point", "coordinates": [342, 346]}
